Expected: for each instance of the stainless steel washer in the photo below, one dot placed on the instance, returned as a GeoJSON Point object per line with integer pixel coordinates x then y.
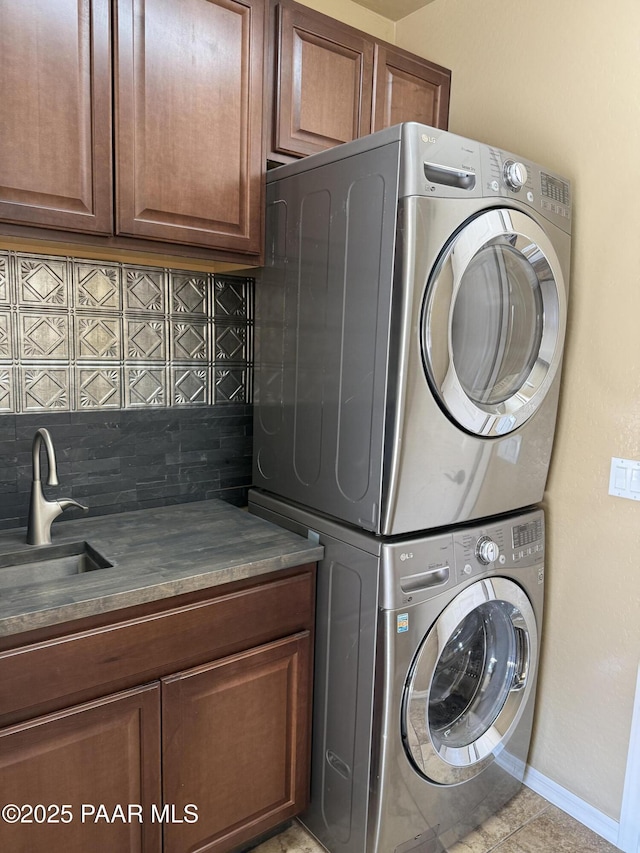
{"type": "Point", "coordinates": [426, 666]}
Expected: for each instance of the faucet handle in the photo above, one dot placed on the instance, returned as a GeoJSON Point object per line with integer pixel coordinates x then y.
{"type": "Point", "coordinates": [67, 503]}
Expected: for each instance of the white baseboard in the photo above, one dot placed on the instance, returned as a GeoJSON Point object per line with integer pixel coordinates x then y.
{"type": "Point", "coordinates": [624, 835]}
{"type": "Point", "coordinates": [569, 803]}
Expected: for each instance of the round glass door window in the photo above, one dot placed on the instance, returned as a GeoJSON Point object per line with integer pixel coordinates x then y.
{"type": "Point", "coordinates": [469, 680]}
{"type": "Point", "coordinates": [494, 322]}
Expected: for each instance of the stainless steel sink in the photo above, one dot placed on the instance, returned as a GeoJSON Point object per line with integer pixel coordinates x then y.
{"type": "Point", "coordinates": [53, 562]}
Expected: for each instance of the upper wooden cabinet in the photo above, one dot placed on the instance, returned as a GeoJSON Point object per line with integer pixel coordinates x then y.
{"type": "Point", "coordinates": [55, 132]}
{"type": "Point", "coordinates": [187, 88]}
{"type": "Point", "coordinates": [171, 92]}
{"type": "Point", "coordinates": [407, 88]}
{"type": "Point", "coordinates": [323, 82]}
{"type": "Point", "coordinates": [189, 121]}
{"type": "Point", "coordinates": [331, 83]}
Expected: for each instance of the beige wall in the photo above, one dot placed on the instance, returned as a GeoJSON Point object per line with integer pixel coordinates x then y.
{"type": "Point", "coordinates": [558, 82]}
{"type": "Point", "coordinates": [355, 16]}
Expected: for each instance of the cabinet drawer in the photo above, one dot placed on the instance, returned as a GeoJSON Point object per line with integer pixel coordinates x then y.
{"type": "Point", "coordinates": [46, 676]}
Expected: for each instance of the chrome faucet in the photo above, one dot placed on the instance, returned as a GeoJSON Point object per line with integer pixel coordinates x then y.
{"type": "Point", "coordinates": [41, 511]}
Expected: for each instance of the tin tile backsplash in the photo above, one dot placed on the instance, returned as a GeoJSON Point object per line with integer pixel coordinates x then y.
{"type": "Point", "coordinates": [142, 376]}
{"type": "Point", "coordinates": [78, 335]}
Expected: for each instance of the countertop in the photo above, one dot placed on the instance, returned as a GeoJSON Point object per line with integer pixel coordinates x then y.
{"type": "Point", "coordinates": [156, 554]}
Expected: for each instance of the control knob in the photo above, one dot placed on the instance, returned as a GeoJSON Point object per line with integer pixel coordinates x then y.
{"type": "Point", "coordinates": [487, 550]}
{"type": "Point", "coordinates": [515, 174]}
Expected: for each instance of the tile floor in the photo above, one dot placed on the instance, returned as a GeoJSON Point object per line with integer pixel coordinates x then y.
{"type": "Point", "coordinates": [528, 824]}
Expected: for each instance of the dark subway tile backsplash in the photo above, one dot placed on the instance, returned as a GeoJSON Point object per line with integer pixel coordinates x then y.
{"type": "Point", "coordinates": [126, 460]}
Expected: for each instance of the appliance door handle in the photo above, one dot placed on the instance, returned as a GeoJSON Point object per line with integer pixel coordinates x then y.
{"type": "Point", "coordinates": [521, 674]}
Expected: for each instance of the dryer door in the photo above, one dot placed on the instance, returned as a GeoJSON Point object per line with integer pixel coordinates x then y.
{"type": "Point", "coordinates": [493, 322]}
{"type": "Point", "coordinates": [469, 681]}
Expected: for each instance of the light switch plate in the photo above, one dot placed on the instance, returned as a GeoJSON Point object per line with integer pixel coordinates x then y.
{"type": "Point", "coordinates": [624, 478]}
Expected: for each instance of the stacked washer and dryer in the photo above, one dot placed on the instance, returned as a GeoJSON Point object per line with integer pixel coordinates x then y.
{"type": "Point", "coordinates": [411, 320]}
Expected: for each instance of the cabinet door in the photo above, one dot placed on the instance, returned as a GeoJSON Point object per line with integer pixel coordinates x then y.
{"type": "Point", "coordinates": [323, 82]}
{"type": "Point", "coordinates": [236, 745]}
{"type": "Point", "coordinates": [103, 753]}
{"type": "Point", "coordinates": [55, 130]}
{"type": "Point", "coordinates": [189, 121]}
{"type": "Point", "coordinates": [408, 88]}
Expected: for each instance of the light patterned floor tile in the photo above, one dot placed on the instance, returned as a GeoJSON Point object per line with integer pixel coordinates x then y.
{"type": "Point", "coordinates": [523, 807]}
{"type": "Point", "coordinates": [554, 831]}
{"type": "Point", "coordinates": [292, 840]}
{"type": "Point", "coordinates": [528, 824]}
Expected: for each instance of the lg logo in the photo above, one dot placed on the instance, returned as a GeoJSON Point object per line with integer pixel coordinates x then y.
{"type": "Point", "coordinates": [406, 555]}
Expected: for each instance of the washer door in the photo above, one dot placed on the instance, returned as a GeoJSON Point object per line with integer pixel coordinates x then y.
{"type": "Point", "coordinates": [469, 681]}
{"type": "Point", "coordinates": [493, 322]}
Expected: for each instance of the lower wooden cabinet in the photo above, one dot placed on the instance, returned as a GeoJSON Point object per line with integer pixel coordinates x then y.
{"type": "Point", "coordinates": [234, 740]}
{"type": "Point", "coordinates": [67, 772]}
{"type": "Point", "coordinates": [206, 758]}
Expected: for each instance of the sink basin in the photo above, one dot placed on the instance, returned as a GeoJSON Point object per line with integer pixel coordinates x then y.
{"type": "Point", "coordinates": [50, 562]}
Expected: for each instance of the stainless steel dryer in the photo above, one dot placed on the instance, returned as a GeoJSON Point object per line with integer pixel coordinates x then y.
{"type": "Point", "coordinates": [410, 328]}
{"type": "Point", "coordinates": [425, 678]}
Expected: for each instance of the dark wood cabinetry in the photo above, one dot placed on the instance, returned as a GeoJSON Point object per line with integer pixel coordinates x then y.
{"type": "Point", "coordinates": [407, 88]}
{"type": "Point", "coordinates": [188, 83]}
{"type": "Point", "coordinates": [256, 775]}
{"type": "Point", "coordinates": [197, 709]}
{"type": "Point", "coordinates": [323, 82]}
{"type": "Point", "coordinates": [331, 83]}
{"type": "Point", "coordinates": [61, 768]}
{"type": "Point", "coordinates": [172, 94]}
{"type": "Point", "coordinates": [55, 131]}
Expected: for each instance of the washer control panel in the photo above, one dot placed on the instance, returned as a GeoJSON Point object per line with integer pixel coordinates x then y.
{"type": "Point", "coordinates": [414, 570]}
{"type": "Point", "coordinates": [511, 544]}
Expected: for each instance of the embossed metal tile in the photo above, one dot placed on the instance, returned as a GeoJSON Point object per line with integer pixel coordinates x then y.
{"type": "Point", "coordinates": [231, 343]}
{"type": "Point", "coordinates": [145, 386]}
{"type": "Point", "coordinates": [231, 297]}
{"type": "Point", "coordinates": [144, 289]}
{"type": "Point", "coordinates": [145, 338]}
{"type": "Point", "coordinates": [190, 385]}
{"type": "Point", "coordinates": [97, 337]}
{"type": "Point", "coordinates": [97, 286]}
{"type": "Point", "coordinates": [79, 335]}
{"type": "Point", "coordinates": [189, 341]}
{"type": "Point", "coordinates": [44, 336]}
{"type": "Point", "coordinates": [45, 388]}
{"type": "Point", "coordinates": [188, 293]}
{"type": "Point", "coordinates": [42, 282]}
{"type": "Point", "coordinates": [99, 387]}
{"type": "Point", "coordinates": [231, 385]}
